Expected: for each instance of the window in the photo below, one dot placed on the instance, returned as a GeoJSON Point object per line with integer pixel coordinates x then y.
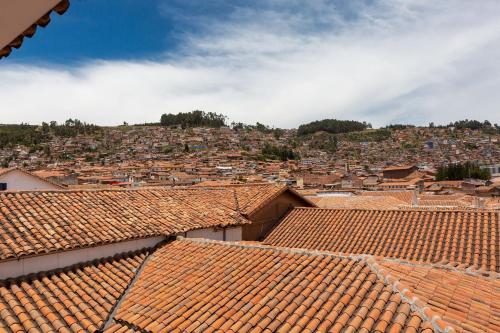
{"type": "Point", "coordinates": [3, 186]}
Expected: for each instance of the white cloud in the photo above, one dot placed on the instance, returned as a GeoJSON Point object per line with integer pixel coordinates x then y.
{"type": "Point", "coordinates": [391, 61]}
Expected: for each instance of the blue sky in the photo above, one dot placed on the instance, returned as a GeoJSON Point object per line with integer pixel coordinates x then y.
{"type": "Point", "coordinates": [109, 30]}
{"type": "Point", "coordinates": [281, 62]}
{"type": "Point", "coordinates": [134, 30]}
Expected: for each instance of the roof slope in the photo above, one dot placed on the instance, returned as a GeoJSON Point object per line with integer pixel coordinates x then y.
{"type": "Point", "coordinates": [248, 198]}
{"type": "Point", "coordinates": [357, 202]}
{"type": "Point", "coordinates": [42, 222]}
{"type": "Point", "coordinates": [199, 285]}
{"type": "Point", "coordinates": [77, 299]}
{"type": "Point", "coordinates": [468, 238]}
{"type": "Point", "coordinates": [470, 302]}
{"type": "Point", "coordinates": [406, 196]}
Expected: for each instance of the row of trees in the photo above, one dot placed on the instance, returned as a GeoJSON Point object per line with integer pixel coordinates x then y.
{"type": "Point", "coordinates": [22, 134]}
{"type": "Point", "coordinates": [333, 126]}
{"type": "Point", "coordinates": [33, 135]}
{"type": "Point", "coordinates": [69, 128]}
{"type": "Point", "coordinates": [195, 118]}
{"type": "Point", "coordinates": [469, 124]}
{"type": "Point", "coordinates": [459, 171]}
{"type": "Point", "coordinates": [399, 126]}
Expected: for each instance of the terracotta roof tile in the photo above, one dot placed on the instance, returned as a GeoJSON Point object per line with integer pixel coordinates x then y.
{"type": "Point", "coordinates": [358, 202]}
{"type": "Point", "coordinates": [406, 196]}
{"type": "Point", "coordinates": [469, 302]}
{"type": "Point", "coordinates": [197, 285]}
{"type": "Point", "coordinates": [76, 299]}
{"type": "Point", "coordinates": [468, 238]}
{"type": "Point", "coordinates": [48, 221]}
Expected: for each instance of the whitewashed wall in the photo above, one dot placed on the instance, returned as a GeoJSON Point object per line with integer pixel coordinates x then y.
{"type": "Point", "coordinates": [209, 233]}
{"type": "Point", "coordinates": [233, 234]}
{"type": "Point", "coordinates": [15, 268]}
{"type": "Point", "coordinates": [19, 181]}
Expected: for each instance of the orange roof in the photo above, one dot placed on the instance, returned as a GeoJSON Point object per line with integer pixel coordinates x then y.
{"type": "Point", "coordinates": [399, 167]}
{"type": "Point", "coordinates": [76, 299]}
{"type": "Point", "coordinates": [443, 203]}
{"type": "Point", "coordinates": [469, 302]}
{"type": "Point", "coordinates": [406, 196]}
{"type": "Point", "coordinates": [468, 237]}
{"type": "Point", "coordinates": [412, 181]}
{"type": "Point", "coordinates": [48, 221]}
{"type": "Point", "coordinates": [357, 202]}
{"type": "Point", "coordinates": [208, 286]}
{"type": "Point", "coordinates": [251, 197]}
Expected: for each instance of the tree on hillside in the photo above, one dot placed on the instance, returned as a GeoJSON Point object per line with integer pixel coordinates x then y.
{"type": "Point", "coordinates": [195, 118]}
{"type": "Point", "coordinates": [333, 126]}
{"type": "Point", "coordinates": [460, 171]}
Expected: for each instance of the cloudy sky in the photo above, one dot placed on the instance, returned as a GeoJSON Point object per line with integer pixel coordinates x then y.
{"type": "Point", "coordinates": [280, 62]}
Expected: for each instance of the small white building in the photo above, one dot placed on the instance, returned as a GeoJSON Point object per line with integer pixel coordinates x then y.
{"type": "Point", "coordinates": [15, 179]}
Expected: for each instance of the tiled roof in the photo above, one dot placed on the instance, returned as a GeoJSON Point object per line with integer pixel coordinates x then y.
{"type": "Point", "coordinates": [399, 167]}
{"type": "Point", "coordinates": [43, 21]}
{"type": "Point", "coordinates": [208, 286]}
{"type": "Point", "coordinates": [77, 299]}
{"type": "Point", "coordinates": [358, 202]}
{"type": "Point", "coordinates": [250, 197]}
{"type": "Point", "coordinates": [42, 222]}
{"type": "Point", "coordinates": [470, 302]}
{"type": "Point", "coordinates": [406, 196]}
{"type": "Point", "coordinates": [443, 203]}
{"type": "Point", "coordinates": [118, 328]}
{"type": "Point", "coordinates": [468, 238]}
{"type": "Point", "coordinates": [454, 196]}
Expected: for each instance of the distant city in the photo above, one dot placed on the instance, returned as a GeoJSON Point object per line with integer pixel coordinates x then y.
{"type": "Point", "coordinates": [198, 147]}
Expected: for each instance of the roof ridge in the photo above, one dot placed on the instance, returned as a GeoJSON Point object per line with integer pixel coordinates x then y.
{"type": "Point", "coordinates": [413, 208]}
{"type": "Point", "coordinates": [239, 185]}
{"type": "Point", "coordinates": [109, 320]}
{"type": "Point", "coordinates": [291, 250]}
{"type": "Point", "coordinates": [282, 188]}
{"type": "Point", "coordinates": [416, 304]}
{"type": "Point", "coordinates": [490, 275]}
{"type": "Point", "coordinates": [69, 190]}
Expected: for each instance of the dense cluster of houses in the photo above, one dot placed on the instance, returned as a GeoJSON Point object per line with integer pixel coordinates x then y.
{"type": "Point", "coordinates": [134, 156]}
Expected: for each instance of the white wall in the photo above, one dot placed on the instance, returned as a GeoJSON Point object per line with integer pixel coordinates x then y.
{"type": "Point", "coordinates": [15, 268]}
{"type": "Point", "coordinates": [19, 181]}
{"type": "Point", "coordinates": [209, 233]}
{"type": "Point", "coordinates": [233, 234]}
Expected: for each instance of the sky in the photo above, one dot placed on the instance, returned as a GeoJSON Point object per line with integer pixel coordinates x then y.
{"type": "Point", "coordinates": [278, 62]}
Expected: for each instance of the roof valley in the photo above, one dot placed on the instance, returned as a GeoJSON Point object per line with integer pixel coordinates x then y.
{"type": "Point", "coordinates": [109, 321]}
{"type": "Point", "coordinates": [407, 296]}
